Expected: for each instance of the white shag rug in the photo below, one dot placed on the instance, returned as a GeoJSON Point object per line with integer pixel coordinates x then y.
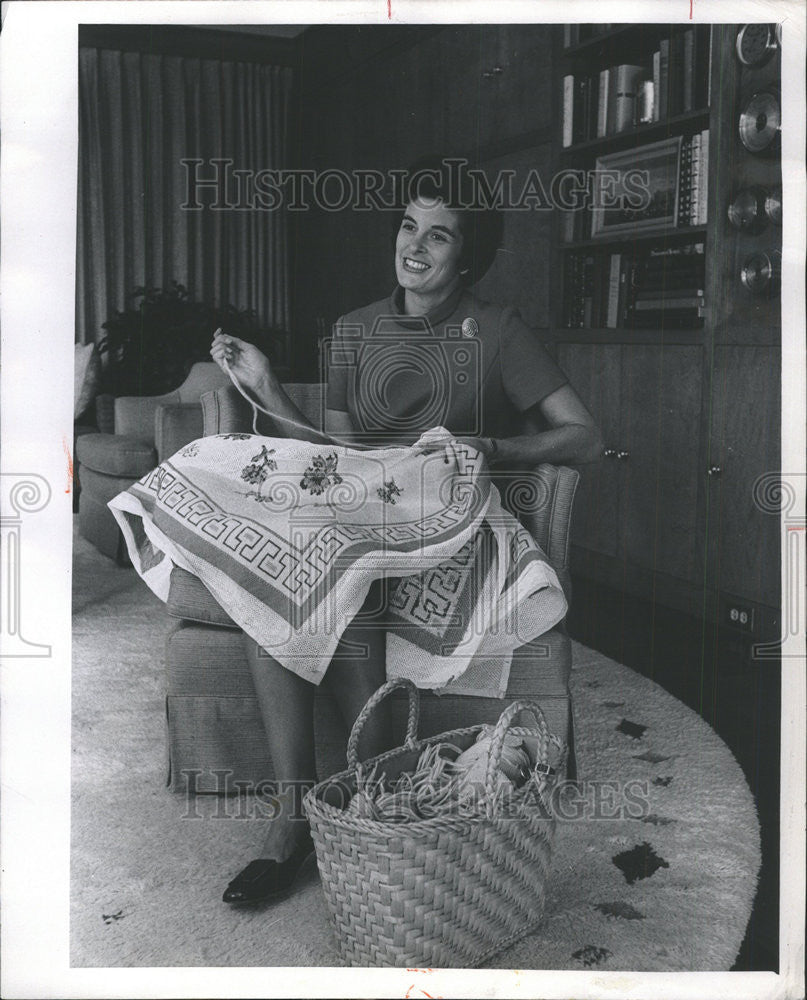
{"type": "Point", "coordinates": [666, 886]}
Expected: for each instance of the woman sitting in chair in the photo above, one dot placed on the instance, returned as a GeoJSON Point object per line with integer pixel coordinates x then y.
{"type": "Point", "coordinates": [497, 371]}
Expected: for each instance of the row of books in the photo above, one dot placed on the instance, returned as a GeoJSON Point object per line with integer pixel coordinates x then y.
{"type": "Point", "coordinates": [693, 193]}
{"type": "Point", "coordinates": [674, 80]}
{"type": "Point", "coordinates": [658, 288]}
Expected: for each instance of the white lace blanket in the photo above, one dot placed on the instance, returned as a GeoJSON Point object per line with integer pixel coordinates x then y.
{"type": "Point", "coordinates": [288, 537]}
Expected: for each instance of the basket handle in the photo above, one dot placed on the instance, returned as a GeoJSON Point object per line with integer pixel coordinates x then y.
{"type": "Point", "coordinates": [500, 731]}
{"type": "Point", "coordinates": [375, 699]}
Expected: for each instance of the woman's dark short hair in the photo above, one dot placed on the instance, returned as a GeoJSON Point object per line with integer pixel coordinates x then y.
{"type": "Point", "coordinates": [452, 181]}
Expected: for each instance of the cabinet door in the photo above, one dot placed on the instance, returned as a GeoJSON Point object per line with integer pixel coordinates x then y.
{"type": "Point", "coordinates": [594, 371]}
{"type": "Point", "coordinates": [497, 82]}
{"type": "Point", "coordinates": [661, 407]}
{"type": "Point", "coordinates": [524, 87]}
{"type": "Point", "coordinates": [465, 50]}
{"type": "Point", "coordinates": [742, 537]}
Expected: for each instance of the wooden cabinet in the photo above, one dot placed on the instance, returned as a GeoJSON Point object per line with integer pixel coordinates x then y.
{"type": "Point", "coordinates": [639, 504]}
{"type": "Point", "coordinates": [660, 409]}
{"type": "Point", "coordinates": [741, 534]}
{"type": "Point", "coordinates": [497, 84]}
{"type": "Point", "coordinates": [675, 510]}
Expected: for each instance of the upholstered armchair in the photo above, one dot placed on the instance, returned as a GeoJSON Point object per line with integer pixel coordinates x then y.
{"type": "Point", "coordinates": [216, 740]}
{"type": "Point", "coordinates": [146, 429]}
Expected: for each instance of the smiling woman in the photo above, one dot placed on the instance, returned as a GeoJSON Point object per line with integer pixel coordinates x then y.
{"type": "Point", "coordinates": [432, 356]}
{"type": "Point", "coordinates": [428, 254]}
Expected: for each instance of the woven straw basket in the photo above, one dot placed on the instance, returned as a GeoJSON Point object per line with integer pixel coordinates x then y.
{"type": "Point", "coordinates": [449, 891]}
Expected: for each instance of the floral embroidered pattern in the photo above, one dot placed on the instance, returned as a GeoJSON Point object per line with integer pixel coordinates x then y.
{"type": "Point", "coordinates": [258, 472]}
{"type": "Point", "coordinates": [321, 474]}
{"type": "Point", "coordinates": [191, 451]}
{"type": "Point", "coordinates": [389, 491]}
{"type": "Point", "coordinates": [234, 437]}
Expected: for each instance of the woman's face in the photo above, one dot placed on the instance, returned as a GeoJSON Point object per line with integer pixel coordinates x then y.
{"type": "Point", "coordinates": [428, 248]}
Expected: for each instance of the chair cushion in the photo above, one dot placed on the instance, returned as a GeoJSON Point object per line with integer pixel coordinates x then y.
{"type": "Point", "coordinates": [188, 598]}
{"type": "Point", "coordinates": [116, 454]}
{"type": "Point", "coordinates": [216, 736]}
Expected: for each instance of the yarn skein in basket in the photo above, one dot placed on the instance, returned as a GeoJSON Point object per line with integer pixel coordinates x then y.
{"type": "Point", "coordinates": [451, 889]}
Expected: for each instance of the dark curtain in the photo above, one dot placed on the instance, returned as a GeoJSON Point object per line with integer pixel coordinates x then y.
{"type": "Point", "coordinates": [140, 116]}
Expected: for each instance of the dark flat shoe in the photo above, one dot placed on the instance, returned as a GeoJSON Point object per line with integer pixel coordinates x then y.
{"type": "Point", "coordinates": [265, 879]}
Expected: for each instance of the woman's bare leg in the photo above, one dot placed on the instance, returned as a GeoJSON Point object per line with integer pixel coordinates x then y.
{"type": "Point", "coordinates": [286, 703]}
{"type": "Point", "coordinates": [358, 669]}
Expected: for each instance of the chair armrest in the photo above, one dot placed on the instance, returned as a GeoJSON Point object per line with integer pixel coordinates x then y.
{"type": "Point", "coordinates": [225, 411]}
{"type": "Point", "coordinates": [175, 425]}
{"type": "Point", "coordinates": [135, 415]}
{"type": "Point", "coordinates": [549, 518]}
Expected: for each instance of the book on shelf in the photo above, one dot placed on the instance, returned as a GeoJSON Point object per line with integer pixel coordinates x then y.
{"type": "Point", "coordinates": [675, 75]}
{"type": "Point", "coordinates": [626, 84]}
{"type": "Point", "coordinates": [667, 289]}
{"type": "Point", "coordinates": [688, 70]}
{"type": "Point", "coordinates": [685, 183]}
{"type": "Point", "coordinates": [612, 311]}
{"type": "Point", "coordinates": [702, 66]}
{"type": "Point", "coordinates": [694, 213]}
{"type": "Point", "coordinates": [703, 204]}
{"type": "Point", "coordinates": [668, 302]}
{"type": "Point", "coordinates": [663, 78]}
{"type": "Point", "coordinates": [656, 85]}
{"type": "Point", "coordinates": [568, 106]}
{"type": "Point", "coordinates": [603, 98]}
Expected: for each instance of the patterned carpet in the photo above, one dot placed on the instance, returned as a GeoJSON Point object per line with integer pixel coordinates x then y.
{"type": "Point", "coordinates": [656, 855]}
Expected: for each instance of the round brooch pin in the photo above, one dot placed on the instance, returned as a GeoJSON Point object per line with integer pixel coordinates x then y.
{"type": "Point", "coordinates": [470, 328]}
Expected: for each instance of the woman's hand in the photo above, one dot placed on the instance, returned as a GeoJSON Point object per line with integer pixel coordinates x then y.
{"type": "Point", "coordinates": [438, 442]}
{"type": "Point", "coordinates": [249, 365]}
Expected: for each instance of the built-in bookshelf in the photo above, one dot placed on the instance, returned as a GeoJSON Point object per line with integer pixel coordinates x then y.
{"type": "Point", "coordinates": [635, 134]}
{"type": "Point", "coordinates": [666, 311]}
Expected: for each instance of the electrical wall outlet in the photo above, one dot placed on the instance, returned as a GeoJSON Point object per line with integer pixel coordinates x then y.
{"type": "Point", "coordinates": [737, 615]}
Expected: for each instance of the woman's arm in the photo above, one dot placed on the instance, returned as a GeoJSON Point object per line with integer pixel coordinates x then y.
{"type": "Point", "coordinates": [255, 376]}
{"type": "Point", "coordinates": [573, 436]}
{"type": "Point", "coordinates": [339, 424]}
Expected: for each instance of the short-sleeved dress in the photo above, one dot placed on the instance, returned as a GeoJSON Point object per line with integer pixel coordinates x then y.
{"type": "Point", "coordinates": [469, 366]}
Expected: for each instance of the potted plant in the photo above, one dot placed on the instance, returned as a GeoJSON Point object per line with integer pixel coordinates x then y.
{"type": "Point", "coordinates": [149, 348]}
